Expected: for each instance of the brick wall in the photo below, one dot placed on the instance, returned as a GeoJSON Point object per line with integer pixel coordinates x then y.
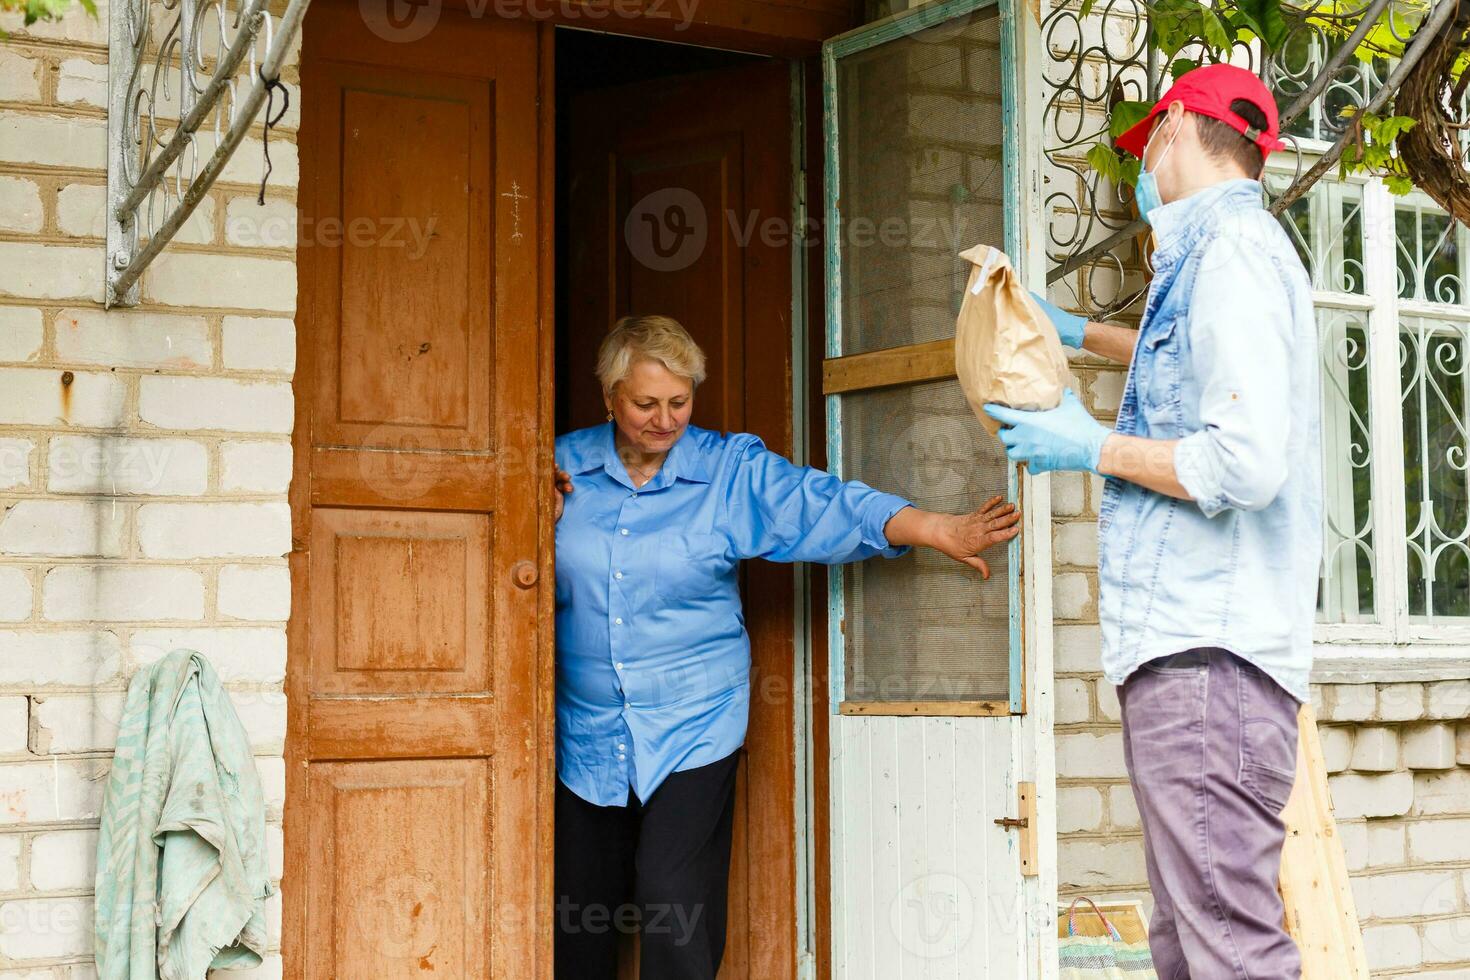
{"type": "Point", "coordinates": [1398, 754]}
{"type": "Point", "coordinates": [144, 462]}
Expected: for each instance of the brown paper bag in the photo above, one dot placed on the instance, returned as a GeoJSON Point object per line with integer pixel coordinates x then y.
{"type": "Point", "coordinates": [1005, 350]}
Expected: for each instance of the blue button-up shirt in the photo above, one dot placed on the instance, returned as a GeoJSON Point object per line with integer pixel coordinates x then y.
{"type": "Point", "coordinates": [1226, 362]}
{"type": "Point", "coordinates": [652, 658]}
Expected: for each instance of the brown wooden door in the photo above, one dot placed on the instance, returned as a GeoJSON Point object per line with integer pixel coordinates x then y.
{"type": "Point", "coordinates": [680, 204]}
{"type": "Point", "coordinates": [418, 773]}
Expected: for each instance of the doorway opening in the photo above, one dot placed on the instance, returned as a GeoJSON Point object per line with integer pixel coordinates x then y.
{"type": "Point", "coordinates": [673, 196]}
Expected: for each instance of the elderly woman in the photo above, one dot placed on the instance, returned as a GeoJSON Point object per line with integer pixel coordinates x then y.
{"type": "Point", "coordinates": [653, 662]}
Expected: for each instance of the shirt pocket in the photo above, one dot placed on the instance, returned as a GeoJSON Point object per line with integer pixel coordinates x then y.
{"type": "Point", "coordinates": [691, 565]}
{"type": "Point", "coordinates": [1160, 374]}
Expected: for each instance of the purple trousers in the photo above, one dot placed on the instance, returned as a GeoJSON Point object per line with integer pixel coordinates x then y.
{"type": "Point", "coordinates": [1210, 744]}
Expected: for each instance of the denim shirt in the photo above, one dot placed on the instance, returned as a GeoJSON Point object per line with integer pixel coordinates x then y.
{"type": "Point", "coordinates": [1226, 362]}
{"type": "Point", "coordinates": [652, 657]}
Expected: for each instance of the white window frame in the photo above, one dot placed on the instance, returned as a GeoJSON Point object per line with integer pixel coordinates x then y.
{"type": "Point", "coordinates": [1396, 646]}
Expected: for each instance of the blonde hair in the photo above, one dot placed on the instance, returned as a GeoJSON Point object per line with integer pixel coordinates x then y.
{"type": "Point", "coordinates": [652, 338]}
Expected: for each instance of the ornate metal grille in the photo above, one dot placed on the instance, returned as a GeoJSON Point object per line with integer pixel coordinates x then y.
{"type": "Point", "coordinates": [175, 73]}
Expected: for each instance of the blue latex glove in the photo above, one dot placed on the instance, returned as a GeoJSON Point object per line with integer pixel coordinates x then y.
{"type": "Point", "coordinates": [1070, 327]}
{"type": "Point", "coordinates": [1061, 438]}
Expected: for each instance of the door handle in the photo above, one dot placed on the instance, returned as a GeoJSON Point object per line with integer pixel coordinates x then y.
{"type": "Point", "coordinates": [524, 574]}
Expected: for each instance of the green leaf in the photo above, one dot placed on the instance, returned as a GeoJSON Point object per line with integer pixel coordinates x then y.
{"type": "Point", "coordinates": [1214, 32]}
{"type": "Point", "coordinates": [1104, 159]}
{"type": "Point", "coordinates": [1125, 115]}
{"type": "Point", "coordinates": [1182, 65]}
{"type": "Point", "coordinates": [1087, 7]}
{"type": "Point", "coordinates": [1398, 184]}
{"type": "Point", "coordinates": [1265, 17]}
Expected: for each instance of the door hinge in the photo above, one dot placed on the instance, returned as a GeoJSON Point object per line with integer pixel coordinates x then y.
{"type": "Point", "coordinates": [1026, 824]}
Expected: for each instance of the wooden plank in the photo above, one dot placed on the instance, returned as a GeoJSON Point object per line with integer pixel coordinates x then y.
{"type": "Point", "coordinates": [963, 709]}
{"type": "Point", "coordinates": [1320, 912]}
{"type": "Point", "coordinates": [883, 368]}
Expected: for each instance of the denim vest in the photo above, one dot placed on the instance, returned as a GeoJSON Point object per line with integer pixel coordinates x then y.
{"type": "Point", "coordinates": [1225, 362]}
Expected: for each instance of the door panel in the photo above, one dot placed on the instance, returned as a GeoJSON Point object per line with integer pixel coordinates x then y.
{"type": "Point", "coordinates": [672, 183]}
{"type": "Point", "coordinates": [415, 770]}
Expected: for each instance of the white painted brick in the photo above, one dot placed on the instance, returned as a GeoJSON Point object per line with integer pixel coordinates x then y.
{"type": "Point", "coordinates": [1389, 795]}
{"type": "Point", "coordinates": [1386, 844]}
{"type": "Point", "coordinates": [1073, 701]}
{"type": "Point", "coordinates": [35, 271]}
{"type": "Point", "coordinates": [1071, 595]}
{"type": "Point", "coordinates": [215, 403]}
{"type": "Point", "coordinates": [76, 528]}
{"type": "Point", "coordinates": [9, 865]}
{"type": "Point", "coordinates": [1067, 494]}
{"type": "Point", "coordinates": [1440, 793]}
{"type": "Point", "coordinates": [71, 658]}
{"type": "Point", "coordinates": [1076, 544]}
{"type": "Point", "coordinates": [15, 594]}
{"type": "Point", "coordinates": [1353, 835]}
{"type": "Point", "coordinates": [1107, 700]}
{"type": "Point", "coordinates": [1439, 841]}
{"type": "Point", "coordinates": [256, 467]}
{"type": "Point", "coordinates": [247, 165]}
{"type": "Point", "coordinates": [198, 228]}
{"type": "Point", "coordinates": [1085, 755]}
{"type": "Point", "coordinates": [1462, 745]}
{"type": "Point", "coordinates": [1337, 746]}
{"type": "Point", "coordinates": [276, 847]}
{"type": "Point", "coordinates": [122, 593]}
{"type": "Point", "coordinates": [81, 210]}
{"type": "Point", "coordinates": [1351, 702]}
{"type": "Point", "coordinates": [1122, 808]}
{"type": "Point", "coordinates": [1430, 747]}
{"type": "Point", "coordinates": [20, 205]}
{"type": "Point", "coordinates": [1409, 894]}
{"type": "Point", "coordinates": [252, 225]}
{"type": "Point", "coordinates": [1400, 702]}
{"type": "Point", "coordinates": [53, 140]}
{"type": "Point", "coordinates": [260, 343]}
{"type": "Point", "coordinates": [82, 82]}
{"type": "Point", "coordinates": [272, 772]}
{"type": "Point", "coordinates": [269, 969]}
{"type": "Point", "coordinates": [122, 465]}
{"type": "Point", "coordinates": [15, 463]}
{"type": "Point", "coordinates": [130, 338]}
{"type": "Point", "coordinates": [57, 789]}
{"type": "Point", "coordinates": [64, 859]}
{"type": "Point", "coordinates": [1077, 648]}
{"type": "Point", "coordinates": [21, 333]}
{"type": "Point", "coordinates": [211, 281]}
{"type": "Point", "coordinates": [75, 25]}
{"type": "Point", "coordinates": [1449, 699]}
{"type": "Point", "coordinates": [15, 723]}
{"type": "Point", "coordinates": [204, 530]}
{"type": "Point", "coordinates": [263, 713]}
{"type": "Point", "coordinates": [1447, 940]}
{"type": "Point", "coordinates": [20, 78]}
{"type": "Point", "coordinates": [32, 928]}
{"type": "Point", "coordinates": [1391, 946]}
{"type": "Point", "coordinates": [37, 396]}
{"type": "Point", "coordinates": [1375, 749]}
{"type": "Point", "coordinates": [76, 722]}
{"type": "Point", "coordinates": [1106, 391]}
{"type": "Point", "coordinates": [1079, 808]}
{"type": "Point", "coordinates": [1317, 694]}
{"type": "Point", "coordinates": [1094, 864]}
{"type": "Point", "coordinates": [240, 655]}
{"type": "Point", "coordinates": [256, 592]}
{"type": "Point", "coordinates": [1095, 485]}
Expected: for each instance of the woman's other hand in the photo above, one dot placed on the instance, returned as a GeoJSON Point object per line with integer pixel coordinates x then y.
{"type": "Point", "coordinates": [963, 536]}
{"type": "Point", "coordinates": [562, 481]}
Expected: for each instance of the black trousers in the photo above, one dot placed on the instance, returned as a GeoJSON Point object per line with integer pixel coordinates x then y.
{"type": "Point", "coordinates": [660, 869]}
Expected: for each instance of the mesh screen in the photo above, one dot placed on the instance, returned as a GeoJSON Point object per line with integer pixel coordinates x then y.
{"type": "Point", "coordinates": [923, 627]}
{"type": "Point", "coordinates": [919, 144]}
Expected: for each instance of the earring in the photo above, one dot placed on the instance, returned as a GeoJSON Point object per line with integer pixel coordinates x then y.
{"type": "Point", "coordinates": [609, 416]}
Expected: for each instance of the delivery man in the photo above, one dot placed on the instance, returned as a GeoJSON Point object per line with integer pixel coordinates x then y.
{"type": "Point", "coordinates": [1210, 524]}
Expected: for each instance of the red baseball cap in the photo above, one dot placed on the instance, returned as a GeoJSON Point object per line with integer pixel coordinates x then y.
{"type": "Point", "coordinates": [1209, 90]}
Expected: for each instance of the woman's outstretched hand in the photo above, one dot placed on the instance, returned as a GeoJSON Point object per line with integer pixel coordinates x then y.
{"type": "Point", "coordinates": [963, 536]}
{"type": "Point", "coordinates": [562, 481]}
